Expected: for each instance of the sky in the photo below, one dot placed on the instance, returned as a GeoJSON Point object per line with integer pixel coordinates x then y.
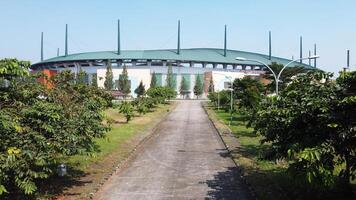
{"type": "Point", "coordinates": [152, 24]}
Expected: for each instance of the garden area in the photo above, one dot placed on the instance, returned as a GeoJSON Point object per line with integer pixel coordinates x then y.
{"type": "Point", "coordinates": [62, 137]}
{"type": "Point", "coordinates": [298, 145]}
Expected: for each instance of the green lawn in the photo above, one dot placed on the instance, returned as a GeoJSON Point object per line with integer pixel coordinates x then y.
{"type": "Point", "coordinates": [268, 179]}
{"type": "Point", "coordinates": [86, 172]}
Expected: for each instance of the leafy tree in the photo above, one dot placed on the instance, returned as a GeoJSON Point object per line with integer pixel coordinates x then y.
{"type": "Point", "coordinates": [153, 80]}
{"type": "Point", "coordinates": [248, 92]}
{"type": "Point", "coordinates": [312, 123]}
{"type": "Point", "coordinates": [94, 81]}
{"type": "Point", "coordinates": [124, 82]}
{"type": "Point", "coordinates": [40, 125]}
{"type": "Point", "coordinates": [170, 79]}
{"type": "Point", "coordinates": [184, 87]}
{"type": "Point", "coordinates": [127, 109]}
{"type": "Point", "coordinates": [108, 83]}
{"type": "Point", "coordinates": [140, 90]}
{"type": "Point", "coordinates": [161, 94]}
{"type": "Point", "coordinates": [286, 75]}
{"type": "Point", "coordinates": [198, 87]}
{"type": "Point", "coordinates": [81, 77]}
{"type": "Point", "coordinates": [141, 106]}
{"type": "Point", "coordinates": [211, 86]}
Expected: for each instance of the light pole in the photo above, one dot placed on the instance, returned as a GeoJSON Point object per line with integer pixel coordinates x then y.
{"type": "Point", "coordinates": [276, 77]}
{"type": "Point", "coordinates": [231, 97]}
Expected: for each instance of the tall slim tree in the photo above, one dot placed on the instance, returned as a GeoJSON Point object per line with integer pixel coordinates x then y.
{"type": "Point", "coordinates": [170, 79]}
{"type": "Point", "coordinates": [198, 87]}
{"type": "Point", "coordinates": [184, 86]}
{"type": "Point", "coordinates": [140, 90]}
{"type": "Point", "coordinates": [211, 86]}
{"type": "Point", "coordinates": [153, 80]}
{"type": "Point", "coordinates": [124, 82]}
{"type": "Point", "coordinates": [94, 80]}
{"type": "Point", "coordinates": [108, 83]}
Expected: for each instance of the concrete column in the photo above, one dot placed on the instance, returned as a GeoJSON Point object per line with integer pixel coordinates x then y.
{"type": "Point", "coordinates": [214, 65]}
{"type": "Point", "coordinates": [234, 67]}
{"type": "Point", "coordinates": [252, 67]}
{"type": "Point", "coordinates": [149, 63]}
{"type": "Point", "coordinates": [243, 67]}
{"type": "Point", "coordinates": [224, 66]}
{"type": "Point", "coordinates": [133, 63]}
{"type": "Point", "coordinates": [191, 64]}
{"type": "Point", "coordinates": [164, 63]}
{"type": "Point", "coordinates": [203, 64]}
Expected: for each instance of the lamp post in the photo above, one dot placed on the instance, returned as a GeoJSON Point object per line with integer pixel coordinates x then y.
{"type": "Point", "coordinates": [276, 77]}
{"type": "Point", "coordinates": [231, 97]}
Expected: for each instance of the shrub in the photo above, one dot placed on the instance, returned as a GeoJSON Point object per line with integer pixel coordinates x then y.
{"type": "Point", "coordinates": [39, 125]}
{"type": "Point", "coordinates": [127, 109]}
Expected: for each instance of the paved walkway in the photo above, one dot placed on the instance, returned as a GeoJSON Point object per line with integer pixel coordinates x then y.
{"type": "Point", "coordinates": [185, 160]}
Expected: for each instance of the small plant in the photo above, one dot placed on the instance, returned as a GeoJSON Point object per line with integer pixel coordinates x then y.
{"type": "Point", "coordinates": [141, 107]}
{"type": "Point", "coordinates": [127, 109]}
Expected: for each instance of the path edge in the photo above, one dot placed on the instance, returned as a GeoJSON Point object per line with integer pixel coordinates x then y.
{"type": "Point", "coordinates": [220, 133]}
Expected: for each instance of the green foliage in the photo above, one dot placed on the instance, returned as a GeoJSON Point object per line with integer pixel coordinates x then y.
{"type": "Point", "coordinates": [12, 67]}
{"type": "Point", "coordinates": [248, 93]}
{"type": "Point", "coordinates": [109, 83]}
{"type": "Point", "coordinates": [38, 126]}
{"type": "Point", "coordinates": [198, 87]}
{"type": "Point", "coordinates": [140, 90]}
{"type": "Point", "coordinates": [81, 77]}
{"type": "Point", "coordinates": [211, 86]}
{"type": "Point", "coordinates": [124, 82]}
{"type": "Point", "coordinates": [161, 94]}
{"type": "Point", "coordinates": [312, 123]}
{"type": "Point", "coordinates": [142, 105]}
{"type": "Point", "coordinates": [170, 79]}
{"type": "Point", "coordinates": [184, 87]}
{"type": "Point", "coordinates": [127, 109]}
{"type": "Point", "coordinates": [153, 80]}
{"type": "Point", "coordinates": [94, 81]}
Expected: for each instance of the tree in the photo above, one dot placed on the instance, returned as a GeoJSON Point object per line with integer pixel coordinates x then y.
{"type": "Point", "coordinates": [127, 109]}
{"type": "Point", "coordinates": [108, 83]}
{"type": "Point", "coordinates": [94, 81]}
{"type": "Point", "coordinates": [140, 90]}
{"type": "Point", "coordinates": [124, 82]}
{"type": "Point", "coordinates": [312, 123]}
{"type": "Point", "coordinates": [81, 76]}
{"type": "Point", "coordinates": [170, 79]}
{"type": "Point", "coordinates": [161, 94]}
{"type": "Point", "coordinates": [211, 86]}
{"type": "Point", "coordinates": [248, 92]}
{"type": "Point", "coordinates": [198, 87]}
{"type": "Point", "coordinates": [153, 80]}
{"type": "Point", "coordinates": [39, 125]}
{"type": "Point", "coordinates": [184, 87]}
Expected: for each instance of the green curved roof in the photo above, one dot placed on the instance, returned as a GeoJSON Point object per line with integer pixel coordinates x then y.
{"type": "Point", "coordinates": [208, 55]}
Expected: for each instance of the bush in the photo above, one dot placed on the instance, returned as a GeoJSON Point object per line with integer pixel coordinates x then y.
{"type": "Point", "coordinates": [39, 125]}
{"type": "Point", "coordinates": [161, 94]}
{"type": "Point", "coordinates": [312, 123]}
{"type": "Point", "coordinates": [127, 109]}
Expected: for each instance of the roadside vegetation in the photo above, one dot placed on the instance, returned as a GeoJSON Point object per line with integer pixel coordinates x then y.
{"type": "Point", "coordinates": [45, 122]}
{"type": "Point", "coordinates": [300, 144]}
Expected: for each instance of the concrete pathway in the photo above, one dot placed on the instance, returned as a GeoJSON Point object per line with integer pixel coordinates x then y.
{"type": "Point", "coordinates": [185, 160]}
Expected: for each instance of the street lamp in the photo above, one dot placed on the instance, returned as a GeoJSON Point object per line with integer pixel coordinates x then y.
{"type": "Point", "coordinates": [231, 97]}
{"type": "Point", "coordinates": [276, 77]}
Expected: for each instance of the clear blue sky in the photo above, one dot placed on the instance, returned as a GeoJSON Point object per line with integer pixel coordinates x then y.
{"type": "Point", "coordinates": [151, 24]}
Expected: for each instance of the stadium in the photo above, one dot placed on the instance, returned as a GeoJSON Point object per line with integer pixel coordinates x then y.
{"type": "Point", "coordinates": [218, 65]}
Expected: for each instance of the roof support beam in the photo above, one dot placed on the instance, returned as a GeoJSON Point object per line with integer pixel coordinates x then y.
{"type": "Point", "coordinates": [301, 49]}
{"type": "Point", "coordinates": [41, 46]}
{"type": "Point", "coordinates": [269, 45]}
{"type": "Point", "coordinates": [118, 37]}
{"type": "Point", "coordinates": [66, 41]}
{"type": "Point", "coordinates": [225, 45]}
{"type": "Point", "coordinates": [178, 42]}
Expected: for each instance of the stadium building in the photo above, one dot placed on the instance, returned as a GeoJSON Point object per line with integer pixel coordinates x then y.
{"type": "Point", "coordinates": [220, 65]}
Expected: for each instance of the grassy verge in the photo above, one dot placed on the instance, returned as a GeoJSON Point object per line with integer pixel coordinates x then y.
{"type": "Point", "coordinates": [268, 179]}
{"type": "Point", "coordinates": [87, 172]}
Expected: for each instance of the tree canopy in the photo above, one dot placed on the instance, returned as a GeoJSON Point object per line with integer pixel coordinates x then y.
{"type": "Point", "coordinates": [124, 82]}
{"type": "Point", "coordinates": [109, 82]}
{"type": "Point", "coordinates": [140, 90]}
{"type": "Point", "coordinates": [198, 87]}
{"type": "Point", "coordinates": [153, 80]}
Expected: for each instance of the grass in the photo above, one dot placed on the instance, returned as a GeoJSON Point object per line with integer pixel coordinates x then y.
{"type": "Point", "coordinates": [268, 179]}
{"type": "Point", "coordinates": [86, 172]}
